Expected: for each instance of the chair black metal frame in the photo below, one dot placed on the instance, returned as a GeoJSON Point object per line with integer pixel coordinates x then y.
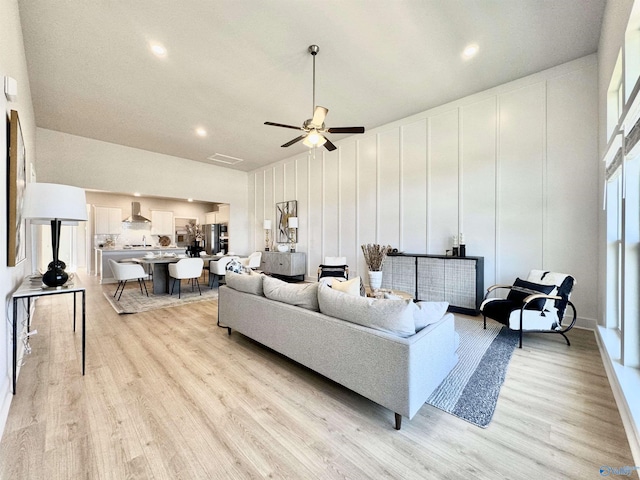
{"type": "Point", "coordinates": [560, 329]}
{"type": "Point", "coordinates": [333, 271]}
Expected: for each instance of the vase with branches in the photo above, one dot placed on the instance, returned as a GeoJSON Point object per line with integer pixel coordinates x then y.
{"type": "Point", "coordinates": [374, 256]}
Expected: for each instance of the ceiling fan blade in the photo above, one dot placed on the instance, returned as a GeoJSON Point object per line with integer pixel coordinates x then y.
{"type": "Point", "coordinates": [328, 145]}
{"type": "Point", "coordinates": [346, 130]}
{"type": "Point", "coordinates": [282, 125]}
{"type": "Point", "coordinates": [295, 140]}
{"type": "Point", "coordinates": [319, 115]}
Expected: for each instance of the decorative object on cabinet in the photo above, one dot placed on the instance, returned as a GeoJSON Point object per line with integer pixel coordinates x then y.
{"type": "Point", "coordinates": [267, 230]}
{"type": "Point", "coordinates": [292, 228]}
{"type": "Point", "coordinates": [282, 247]}
{"type": "Point", "coordinates": [16, 244]}
{"type": "Point", "coordinates": [164, 241]}
{"type": "Point", "coordinates": [374, 256]}
{"type": "Point", "coordinates": [284, 210]}
{"type": "Point", "coordinates": [58, 204]}
{"type": "Point", "coordinates": [438, 278]}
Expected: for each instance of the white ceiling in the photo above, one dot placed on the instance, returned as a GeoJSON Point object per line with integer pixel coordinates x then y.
{"type": "Point", "coordinates": [234, 64]}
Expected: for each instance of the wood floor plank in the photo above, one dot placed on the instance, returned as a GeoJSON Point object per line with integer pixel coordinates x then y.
{"type": "Point", "coordinates": [169, 395]}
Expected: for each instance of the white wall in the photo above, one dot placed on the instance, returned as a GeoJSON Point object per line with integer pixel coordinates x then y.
{"type": "Point", "coordinates": [514, 168]}
{"type": "Point", "coordinates": [92, 164]}
{"type": "Point", "coordinates": [12, 63]}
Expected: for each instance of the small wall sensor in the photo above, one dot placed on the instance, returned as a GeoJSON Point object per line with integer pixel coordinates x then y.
{"type": "Point", "coordinates": [10, 88]}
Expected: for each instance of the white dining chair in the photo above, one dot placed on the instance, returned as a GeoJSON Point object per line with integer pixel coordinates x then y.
{"type": "Point", "coordinates": [187, 268]}
{"type": "Point", "coordinates": [218, 269]}
{"type": "Point", "coordinates": [252, 261]}
{"type": "Point", "coordinates": [123, 272]}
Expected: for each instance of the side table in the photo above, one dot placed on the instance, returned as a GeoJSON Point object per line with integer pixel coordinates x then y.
{"type": "Point", "coordinates": [32, 287]}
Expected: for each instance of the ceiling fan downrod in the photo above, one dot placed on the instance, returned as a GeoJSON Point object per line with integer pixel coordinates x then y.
{"type": "Point", "coordinates": [313, 50]}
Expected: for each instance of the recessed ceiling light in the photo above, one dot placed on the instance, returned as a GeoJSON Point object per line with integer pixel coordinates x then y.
{"type": "Point", "coordinates": [189, 199]}
{"type": "Point", "coordinates": [158, 50]}
{"type": "Point", "coordinates": [201, 132]}
{"type": "Point", "coordinates": [470, 51]}
{"type": "Point", "coordinates": [136, 194]}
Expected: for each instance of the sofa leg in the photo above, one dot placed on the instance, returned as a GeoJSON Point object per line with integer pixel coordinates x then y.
{"type": "Point", "coordinates": [398, 421]}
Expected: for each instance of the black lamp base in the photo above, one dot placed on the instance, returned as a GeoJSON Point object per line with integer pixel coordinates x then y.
{"type": "Point", "coordinates": [55, 277]}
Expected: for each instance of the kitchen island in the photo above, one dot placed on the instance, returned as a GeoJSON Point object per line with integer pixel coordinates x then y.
{"type": "Point", "coordinates": [103, 254]}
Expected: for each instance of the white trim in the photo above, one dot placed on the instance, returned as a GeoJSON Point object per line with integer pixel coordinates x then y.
{"type": "Point", "coordinates": [625, 385]}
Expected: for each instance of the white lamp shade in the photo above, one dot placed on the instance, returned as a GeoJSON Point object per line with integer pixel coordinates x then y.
{"type": "Point", "coordinates": [293, 222]}
{"type": "Point", "coordinates": [267, 224]}
{"type": "Point", "coordinates": [47, 201]}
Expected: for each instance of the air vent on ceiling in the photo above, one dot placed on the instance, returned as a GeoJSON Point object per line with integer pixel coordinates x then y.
{"type": "Point", "coordinates": [226, 159]}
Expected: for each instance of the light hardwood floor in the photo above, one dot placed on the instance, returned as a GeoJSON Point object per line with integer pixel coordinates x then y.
{"type": "Point", "coordinates": [168, 395]}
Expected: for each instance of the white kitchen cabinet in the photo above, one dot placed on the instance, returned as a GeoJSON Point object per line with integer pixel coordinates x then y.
{"type": "Point", "coordinates": [210, 218]}
{"type": "Point", "coordinates": [161, 222]}
{"type": "Point", "coordinates": [108, 220]}
{"type": "Point", "coordinates": [222, 215]}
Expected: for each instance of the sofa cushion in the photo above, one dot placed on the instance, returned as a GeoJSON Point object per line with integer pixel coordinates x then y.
{"type": "Point", "coordinates": [427, 313]}
{"type": "Point", "coordinates": [303, 295]}
{"type": "Point", "coordinates": [350, 287]}
{"type": "Point", "coordinates": [392, 316]}
{"type": "Point", "coordinates": [251, 283]}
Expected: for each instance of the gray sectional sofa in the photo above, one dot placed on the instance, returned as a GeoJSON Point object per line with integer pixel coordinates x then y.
{"type": "Point", "coordinates": [396, 372]}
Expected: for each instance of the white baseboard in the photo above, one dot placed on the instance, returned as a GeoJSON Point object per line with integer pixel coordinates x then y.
{"type": "Point", "coordinates": [625, 384]}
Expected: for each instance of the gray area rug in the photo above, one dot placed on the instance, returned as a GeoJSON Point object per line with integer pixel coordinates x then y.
{"type": "Point", "coordinates": [132, 301]}
{"type": "Point", "coordinates": [471, 389]}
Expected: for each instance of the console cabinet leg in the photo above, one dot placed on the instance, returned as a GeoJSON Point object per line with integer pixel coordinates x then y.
{"type": "Point", "coordinates": [398, 421]}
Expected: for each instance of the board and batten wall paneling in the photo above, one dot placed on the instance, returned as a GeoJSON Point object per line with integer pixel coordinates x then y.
{"type": "Point", "coordinates": [520, 187]}
{"type": "Point", "coordinates": [331, 208]}
{"type": "Point", "coordinates": [302, 189]}
{"type": "Point", "coordinates": [316, 250]}
{"type": "Point", "coordinates": [389, 187]}
{"type": "Point", "coordinates": [442, 208]}
{"type": "Point", "coordinates": [413, 233]}
{"type": "Point", "coordinates": [478, 175]}
{"type": "Point", "coordinates": [256, 211]}
{"type": "Point", "coordinates": [348, 246]}
{"type": "Point", "coordinates": [570, 185]}
{"type": "Point", "coordinates": [367, 195]}
{"type": "Point", "coordinates": [492, 166]}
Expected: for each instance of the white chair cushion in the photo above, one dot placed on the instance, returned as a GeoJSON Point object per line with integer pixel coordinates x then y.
{"type": "Point", "coordinates": [186, 268]}
{"type": "Point", "coordinates": [534, 320]}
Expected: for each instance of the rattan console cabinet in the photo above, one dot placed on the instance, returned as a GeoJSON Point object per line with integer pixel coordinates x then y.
{"type": "Point", "coordinates": [438, 278]}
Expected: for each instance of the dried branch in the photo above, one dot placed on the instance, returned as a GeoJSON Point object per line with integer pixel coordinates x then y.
{"type": "Point", "coordinates": [375, 255]}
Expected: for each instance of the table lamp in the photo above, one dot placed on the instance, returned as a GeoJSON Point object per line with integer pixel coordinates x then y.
{"type": "Point", "coordinates": [292, 224]}
{"type": "Point", "coordinates": [267, 229]}
{"type": "Point", "coordinates": [58, 204]}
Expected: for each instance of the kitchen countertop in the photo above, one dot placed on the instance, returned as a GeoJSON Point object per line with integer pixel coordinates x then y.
{"type": "Point", "coordinates": [137, 249]}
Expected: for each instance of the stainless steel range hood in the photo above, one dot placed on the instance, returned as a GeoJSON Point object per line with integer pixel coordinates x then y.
{"type": "Point", "coordinates": [135, 216]}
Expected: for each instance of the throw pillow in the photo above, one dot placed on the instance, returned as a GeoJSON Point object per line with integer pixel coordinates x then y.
{"type": "Point", "coordinates": [391, 316]}
{"type": "Point", "coordinates": [427, 313]}
{"type": "Point", "coordinates": [303, 295]}
{"type": "Point", "coordinates": [350, 287]}
{"type": "Point", "coordinates": [235, 265]}
{"type": "Point", "coordinates": [521, 289]}
{"type": "Point", "coordinates": [245, 283]}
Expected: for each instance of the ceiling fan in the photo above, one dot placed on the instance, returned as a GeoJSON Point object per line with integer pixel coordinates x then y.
{"type": "Point", "coordinates": [314, 128]}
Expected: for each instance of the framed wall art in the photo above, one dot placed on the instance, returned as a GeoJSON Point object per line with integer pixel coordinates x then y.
{"type": "Point", "coordinates": [284, 210]}
{"type": "Point", "coordinates": [16, 229]}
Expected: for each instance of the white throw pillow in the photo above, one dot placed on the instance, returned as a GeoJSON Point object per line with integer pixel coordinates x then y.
{"type": "Point", "coordinates": [303, 295]}
{"type": "Point", "coordinates": [350, 287]}
{"type": "Point", "coordinates": [245, 283]}
{"type": "Point", "coordinates": [391, 316]}
{"type": "Point", "coordinates": [427, 313]}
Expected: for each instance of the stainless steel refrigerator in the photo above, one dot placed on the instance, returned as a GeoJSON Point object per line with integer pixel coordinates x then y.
{"type": "Point", "coordinates": [212, 238]}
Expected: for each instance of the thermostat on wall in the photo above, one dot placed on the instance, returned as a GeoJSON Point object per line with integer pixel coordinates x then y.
{"type": "Point", "coordinates": [10, 88]}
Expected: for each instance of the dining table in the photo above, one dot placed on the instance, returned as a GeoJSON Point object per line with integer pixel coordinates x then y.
{"type": "Point", "coordinates": [160, 268]}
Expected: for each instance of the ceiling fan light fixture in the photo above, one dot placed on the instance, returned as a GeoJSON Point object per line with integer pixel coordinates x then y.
{"type": "Point", "coordinates": [314, 139]}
